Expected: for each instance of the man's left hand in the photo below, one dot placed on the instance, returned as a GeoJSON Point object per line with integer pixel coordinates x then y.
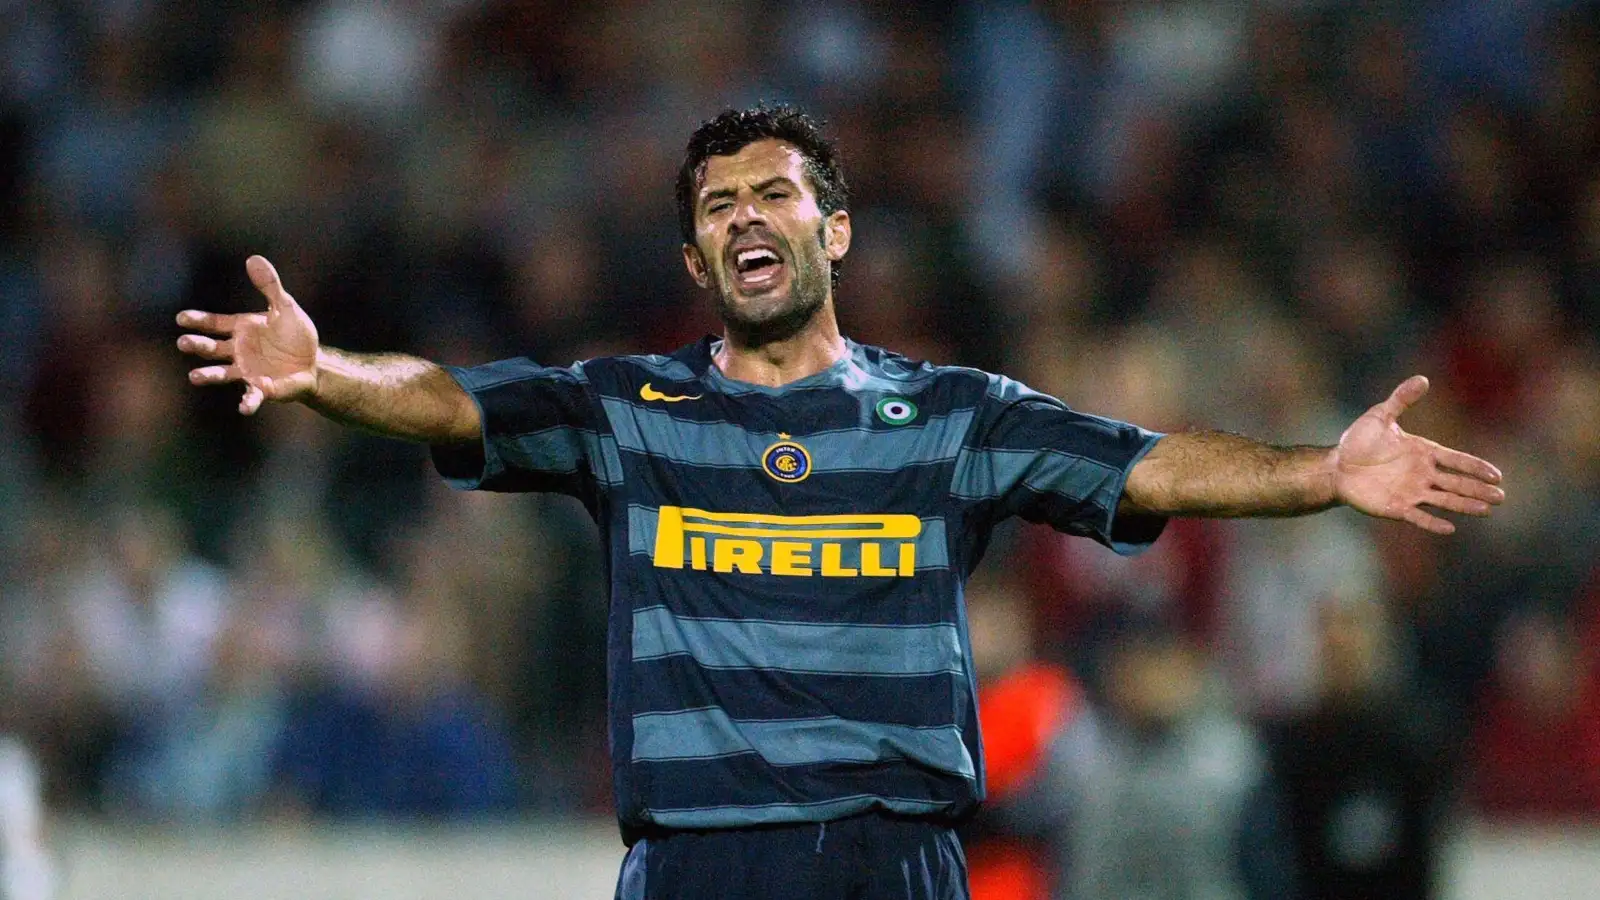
{"type": "Point", "coordinates": [1382, 471]}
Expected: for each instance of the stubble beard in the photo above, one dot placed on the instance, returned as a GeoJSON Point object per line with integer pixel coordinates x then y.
{"type": "Point", "coordinates": [808, 293]}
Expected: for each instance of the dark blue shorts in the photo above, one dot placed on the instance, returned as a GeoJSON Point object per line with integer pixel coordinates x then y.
{"type": "Point", "coordinates": [869, 857]}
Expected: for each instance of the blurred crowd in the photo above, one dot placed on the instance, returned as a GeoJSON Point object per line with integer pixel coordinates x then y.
{"type": "Point", "coordinates": [1184, 213]}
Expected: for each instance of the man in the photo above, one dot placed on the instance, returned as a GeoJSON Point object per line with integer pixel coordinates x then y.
{"type": "Point", "coordinates": [789, 519]}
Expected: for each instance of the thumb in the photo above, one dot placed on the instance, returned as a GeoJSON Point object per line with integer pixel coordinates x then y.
{"type": "Point", "coordinates": [1407, 393]}
{"type": "Point", "coordinates": [286, 387]}
{"type": "Point", "coordinates": [266, 280]}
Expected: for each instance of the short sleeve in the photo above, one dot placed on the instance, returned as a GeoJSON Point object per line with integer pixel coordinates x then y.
{"type": "Point", "coordinates": [539, 428]}
{"type": "Point", "coordinates": [1029, 455]}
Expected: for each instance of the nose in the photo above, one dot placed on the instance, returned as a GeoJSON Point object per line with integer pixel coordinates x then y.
{"type": "Point", "coordinates": [747, 213]}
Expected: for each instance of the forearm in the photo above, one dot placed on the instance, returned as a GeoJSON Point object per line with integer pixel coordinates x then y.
{"type": "Point", "coordinates": [1217, 474]}
{"type": "Point", "coordinates": [394, 395]}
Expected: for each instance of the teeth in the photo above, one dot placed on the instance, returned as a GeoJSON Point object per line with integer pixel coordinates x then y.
{"type": "Point", "coordinates": [749, 256]}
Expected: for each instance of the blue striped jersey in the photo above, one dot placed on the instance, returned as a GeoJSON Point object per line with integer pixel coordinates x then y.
{"type": "Point", "coordinates": [787, 638]}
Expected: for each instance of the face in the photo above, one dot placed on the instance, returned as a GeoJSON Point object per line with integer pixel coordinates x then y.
{"type": "Point", "coordinates": [762, 245]}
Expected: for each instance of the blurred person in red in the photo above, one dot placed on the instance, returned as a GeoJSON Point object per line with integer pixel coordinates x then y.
{"type": "Point", "coordinates": [732, 760]}
{"type": "Point", "coordinates": [1025, 702]}
{"type": "Point", "coordinates": [1536, 741]}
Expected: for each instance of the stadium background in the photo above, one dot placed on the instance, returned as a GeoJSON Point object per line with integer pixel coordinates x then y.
{"type": "Point", "coordinates": [272, 635]}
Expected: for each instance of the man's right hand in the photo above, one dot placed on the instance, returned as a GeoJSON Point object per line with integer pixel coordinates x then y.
{"type": "Point", "coordinates": [274, 353]}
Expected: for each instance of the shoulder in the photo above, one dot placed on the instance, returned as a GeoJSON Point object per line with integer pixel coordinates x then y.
{"type": "Point", "coordinates": [885, 370]}
{"type": "Point", "coordinates": [626, 374]}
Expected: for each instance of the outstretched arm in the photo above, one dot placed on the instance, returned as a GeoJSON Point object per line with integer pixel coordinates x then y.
{"type": "Point", "coordinates": [1376, 468]}
{"type": "Point", "coordinates": [278, 357]}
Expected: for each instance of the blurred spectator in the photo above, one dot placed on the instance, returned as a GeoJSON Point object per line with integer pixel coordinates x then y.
{"type": "Point", "coordinates": [397, 730]}
{"type": "Point", "coordinates": [1024, 705]}
{"type": "Point", "coordinates": [1163, 792]}
{"type": "Point", "coordinates": [26, 870]}
{"type": "Point", "coordinates": [115, 647]}
{"type": "Point", "coordinates": [1537, 736]}
{"type": "Point", "coordinates": [1363, 770]}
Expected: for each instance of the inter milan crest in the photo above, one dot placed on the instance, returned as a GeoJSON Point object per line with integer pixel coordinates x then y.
{"type": "Point", "coordinates": [787, 461]}
{"type": "Point", "coordinates": [896, 410]}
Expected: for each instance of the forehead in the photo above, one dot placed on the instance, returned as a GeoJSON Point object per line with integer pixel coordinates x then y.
{"type": "Point", "coordinates": [754, 163]}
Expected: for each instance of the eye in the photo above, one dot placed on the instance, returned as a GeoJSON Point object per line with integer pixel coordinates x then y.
{"type": "Point", "coordinates": [719, 206]}
{"type": "Point", "coordinates": [777, 195]}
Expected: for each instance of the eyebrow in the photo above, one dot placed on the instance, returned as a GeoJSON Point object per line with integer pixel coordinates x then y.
{"type": "Point", "coordinates": [733, 192]}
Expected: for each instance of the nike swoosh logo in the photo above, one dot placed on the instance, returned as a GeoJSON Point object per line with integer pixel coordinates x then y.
{"type": "Point", "coordinates": [649, 393]}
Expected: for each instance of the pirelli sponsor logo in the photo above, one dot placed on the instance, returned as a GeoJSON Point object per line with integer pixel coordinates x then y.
{"type": "Point", "coordinates": [860, 545]}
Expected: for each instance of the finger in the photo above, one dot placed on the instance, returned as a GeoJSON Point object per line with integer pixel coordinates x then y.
{"type": "Point", "coordinates": [214, 374]}
{"type": "Point", "coordinates": [252, 400]}
{"type": "Point", "coordinates": [266, 280]}
{"type": "Point", "coordinates": [1456, 503]}
{"type": "Point", "coordinates": [1480, 469]}
{"type": "Point", "coordinates": [206, 348]}
{"type": "Point", "coordinates": [1409, 391]}
{"type": "Point", "coordinates": [1468, 487]}
{"type": "Point", "coordinates": [216, 323]}
{"type": "Point", "coordinates": [1428, 522]}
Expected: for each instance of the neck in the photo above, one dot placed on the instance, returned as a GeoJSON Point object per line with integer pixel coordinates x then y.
{"type": "Point", "coordinates": [808, 351]}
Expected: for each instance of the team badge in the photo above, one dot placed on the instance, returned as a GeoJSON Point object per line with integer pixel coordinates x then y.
{"type": "Point", "coordinates": [786, 461]}
{"type": "Point", "coordinates": [896, 410]}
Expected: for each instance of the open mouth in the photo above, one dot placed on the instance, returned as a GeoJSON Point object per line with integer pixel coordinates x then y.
{"type": "Point", "coordinates": [757, 266]}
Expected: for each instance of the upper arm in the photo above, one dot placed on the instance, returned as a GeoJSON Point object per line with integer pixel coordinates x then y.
{"type": "Point", "coordinates": [1030, 455]}
{"type": "Point", "coordinates": [536, 429]}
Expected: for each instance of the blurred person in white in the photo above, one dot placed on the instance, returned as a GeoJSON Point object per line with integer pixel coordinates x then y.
{"type": "Point", "coordinates": [369, 61]}
{"type": "Point", "coordinates": [26, 870]}
{"type": "Point", "coordinates": [214, 759]}
{"type": "Point", "coordinates": [144, 615]}
{"type": "Point", "coordinates": [1159, 790]}
{"type": "Point", "coordinates": [1363, 770]}
{"type": "Point", "coordinates": [45, 693]}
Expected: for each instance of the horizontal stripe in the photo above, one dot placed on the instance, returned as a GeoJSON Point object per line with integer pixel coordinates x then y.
{"type": "Point", "coordinates": [746, 789]}
{"type": "Point", "coordinates": [678, 682]}
{"type": "Point", "coordinates": [927, 599]}
{"type": "Point", "coordinates": [519, 370]}
{"type": "Point", "coordinates": [931, 543]}
{"type": "Point", "coordinates": [989, 473]}
{"type": "Point", "coordinates": [711, 732]}
{"type": "Point", "coordinates": [725, 445]}
{"type": "Point", "coordinates": [798, 646]}
{"type": "Point", "coordinates": [735, 816]}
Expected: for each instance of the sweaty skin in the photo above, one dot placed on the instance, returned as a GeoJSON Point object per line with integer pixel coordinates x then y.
{"type": "Point", "coordinates": [780, 326]}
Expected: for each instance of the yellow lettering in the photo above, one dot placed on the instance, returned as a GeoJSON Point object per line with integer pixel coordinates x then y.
{"type": "Point", "coordinates": [729, 554]}
{"type": "Point", "coordinates": [908, 560]}
{"type": "Point", "coordinates": [791, 558]}
{"type": "Point", "coordinates": [801, 545]}
{"type": "Point", "coordinates": [669, 538]}
{"type": "Point", "coordinates": [831, 567]}
{"type": "Point", "coordinates": [872, 560]}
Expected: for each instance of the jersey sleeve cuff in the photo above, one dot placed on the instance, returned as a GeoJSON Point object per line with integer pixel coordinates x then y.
{"type": "Point", "coordinates": [1130, 535]}
{"type": "Point", "coordinates": [466, 466]}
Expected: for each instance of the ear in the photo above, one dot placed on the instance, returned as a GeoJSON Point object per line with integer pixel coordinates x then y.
{"type": "Point", "coordinates": [696, 264]}
{"type": "Point", "coordinates": [836, 235]}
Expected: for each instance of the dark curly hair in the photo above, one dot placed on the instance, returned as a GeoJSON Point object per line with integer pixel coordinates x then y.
{"type": "Point", "coordinates": [734, 129]}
